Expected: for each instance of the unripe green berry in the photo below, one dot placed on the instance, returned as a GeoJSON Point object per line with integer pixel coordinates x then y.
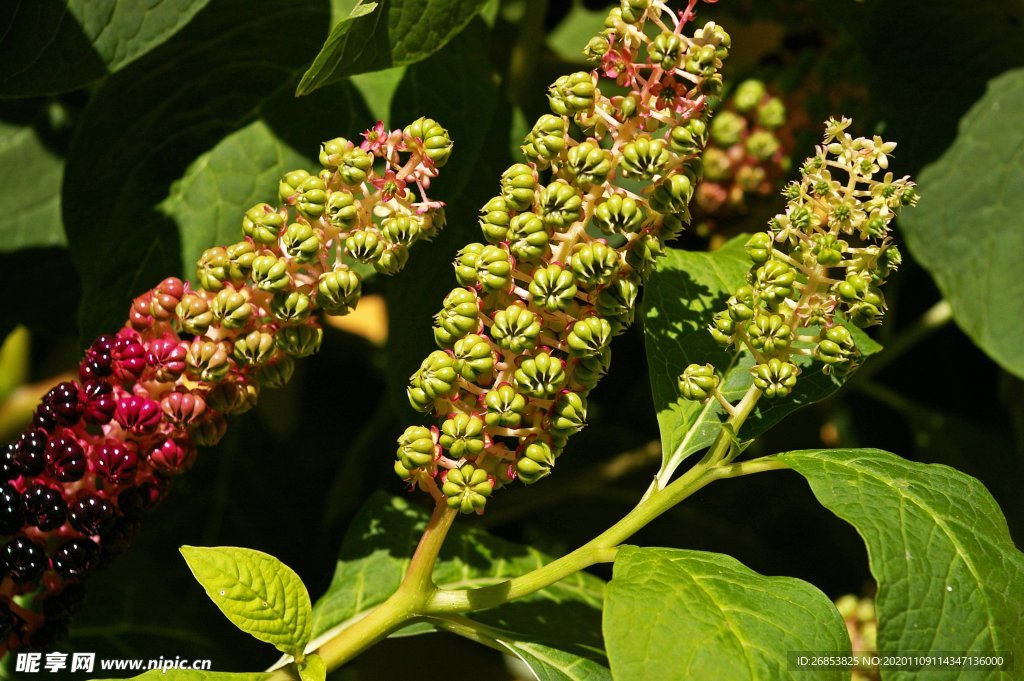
{"type": "Point", "coordinates": [740, 305]}
{"type": "Point", "coordinates": [672, 194]}
{"type": "Point", "coordinates": [772, 114]}
{"type": "Point", "coordinates": [596, 48]}
{"type": "Point", "coordinates": [270, 273]}
{"type": "Point", "coordinates": [366, 246]}
{"type": "Point", "coordinates": [828, 250]}
{"type": "Point", "coordinates": [643, 158]}
{"type": "Point", "coordinates": [515, 328]}
{"type": "Point", "coordinates": [467, 488]}
{"type": "Point", "coordinates": [332, 151]}
{"type": "Point", "coordinates": [769, 333]}
{"type": "Point", "coordinates": [593, 263]}
{"type": "Point", "coordinates": [759, 247]}
{"type": "Point", "coordinates": [338, 291]}
{"type": "Point", "coordinates": [568, 414]}
{"type": "Point", "coordinates": [698, 382]}
{"type": "Point", "coordinates": [571, 94]}
{"type": "Point", "coordinates": [619, 214]}
{"type": "Point", "coordinates": [262, 223]}
{"type": "Point", "coordinates": [462, 435]}
{"type": "Point", "coordinates": [528, 237]}
{"type": "Point", "coordinates": [504, 406]}
{"type": "Point", "coordinates": [546, 141]}
{"type": "Point", "coordinates": [291, 307]}
{"type": "Point", "coordinates": [207, 360]}
{"type": "Point", "coordinates": [233, 396]}
{"type": "Point", "coordinates": [535, 461]}
{"type": "Point", "coordinates": [240, 256]}
{"type": "Point", "coordinates": [727, 128]}
{"type": "Point", "coordinates": [342, 210]}
{"type": "Point", "coordinates": [774, 281]}
{"type": "Point", "coordinates": [617, 302]}
{"type": "Point", "coordinates": [560, 205]}
{"type": "Point", "coordinates": [644, 252]}
{"type": "Point", "coordinates": [588, 371]}
{"type": "Point", "coordinates": [288, 187]}
{"type": "Point", "coordinates": [401, 229]}
{"type": "Point", "coordinates": [762, 145]}
{"type": "Point", "coordinates": [489, 266]}
{"type": "Point", "coordinates": [553, 288]}
{"type": "Point", "coordinates": [775, 378]}
{"type": "Point", "coordinates": [459, 316]}
{"type": "Point", "coordinates": [518, 187]}
{"type": "Point", "coordinates": [588, 164]}
{"type": "Point", "coordinates": [748, 95]}
{"type": "Point", "coordinates": [256, 348]}
{"type": "Point", "coordinates": [688, 139]}
{"type": "Point", "coordinates": [494, 220]}
{"type": "Point", "coordinates": [276, 374]}
{"type": "Point", "coordinates": [300, 341]}
{"type": "Point", "coordinates": [541, 376]}
{"type": "Point", "coordinates": [667, 50]}
{"type": "Point", "coordinates": [193, 312]}
{"type": "Point", "coordinates": [723, 328]}
{"type": "Point", "coordinates": [300, 243]}
{"type": "Point", "coordinates": [416, 447]}
{"type": "Point", "coordinates": [437, 145]}
{"type": "Point", "coordinates": [213, 269]}
{"type": "Point", "coordinates": [588, 337]}
{"type": "Point", "coordinates": [434, 379]}
{"type": "Point", "coordinates": [231, 308]}
{"type": "Point", "coordinates": [354, 166]}
{"type": "Point", "coordinates": [633, 10]}
{"type": "Point", "coordinates": [474, 358]}
{"type": "Point", "coordinates": [392, 260]}
{"type": "Point", "coordinates": [312, 195]}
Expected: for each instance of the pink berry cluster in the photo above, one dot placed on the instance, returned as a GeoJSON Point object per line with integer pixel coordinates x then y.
{"type": "Point", "coordinates": [747, 153]}
{"type": "Point", "coordinates": [569, 241]}
{"type": "Point", "coordinates": [102, 451]}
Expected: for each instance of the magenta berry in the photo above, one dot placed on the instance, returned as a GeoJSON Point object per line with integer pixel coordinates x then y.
{"type": "Point", "coordinates": [65, 458]}
{"type": "Point", "coordinates": [116, 462]}
{"type": "Point", "coordinates": [99, 402]}
{"type": "Point", "coordinates": [137, 415]}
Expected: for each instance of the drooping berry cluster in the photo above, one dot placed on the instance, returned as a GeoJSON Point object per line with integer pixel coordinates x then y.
{"type": "Point", "coordinates": [746, 155]}
{"type": "Point", "coordinates": [862, 625]}
{"type": "Point", "coordinates": [102, 451]}
{"type": "Point", "coordinates": [820, 264]}
{"type": "Point", "coordinates": [569, 241]}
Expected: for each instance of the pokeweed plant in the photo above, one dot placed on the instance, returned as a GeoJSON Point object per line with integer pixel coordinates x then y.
{"type": "Point", "coordinates": [736, 338]}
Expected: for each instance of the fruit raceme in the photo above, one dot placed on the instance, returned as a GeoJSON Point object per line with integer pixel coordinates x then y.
{"type": "Point", "coordinates": [102, 451]}
{"type": "Point", "coordinates": [568, 243]}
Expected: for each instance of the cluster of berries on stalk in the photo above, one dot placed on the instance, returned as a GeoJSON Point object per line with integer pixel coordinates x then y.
{"type": "Point", "coordinates": [746, 155]}
{"type": "Point", "coordinates": [862, 625]}
{"type": "Point", "coordinates": [101, 451]}
{"type": "Point", "coordinates": [568, 242]}
{"type": "Point", "coordinates": [819, 266]}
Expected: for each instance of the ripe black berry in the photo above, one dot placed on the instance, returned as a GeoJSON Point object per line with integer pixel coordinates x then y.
{"type": "Point", "coordinates": [65, 458]}
{"type": "Point", "coordinates": [75, 558]}
{"type": "Point", "coordinates": [8, 467]}
{"type": "Point", "coordinates": [30, 456]}
{"type": "Point", "coordinates": [91, 515]}
{"type": "Point", "coordinates": [44, 507]}
{"type": "Point", "coordinates": [11, 516]}
{"type": "Point", "coordinates": [64, 400]}
{"type": "Point", "coordinates": [23, 560]}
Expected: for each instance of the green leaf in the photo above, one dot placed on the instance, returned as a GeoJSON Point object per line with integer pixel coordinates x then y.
{"type": "Point", "coordinates": [575, 30]}
{"type": "Point", "coordinates": [191, 675]}
{"type": "Point", "coordinates": [146, 124]}
{"type": "Point", "coordinates": [552, 664]}
{"type": "Point", "coordinates": [680, 299]}
{"type": "Point", "coordinates": [259, 594]}
{"type": "Point", "coordinates": [395, 33]}
{"type": "Point", "coordinates": [673, 614]}
{"type": "Point", "coordinates": [54, 46]}
{"type": "Point", "coordinates": [30, 173]}
{"type": "Point", "coordinates": [243, 169]}
{"type": "Point", "coordinates": [949, 576]}
{"type": "Point", "coordinates": [966, 230]}
{"type": "Point", "coordinates": [313, 668]}
{"type": "Point", "coordinates": [558, 627]}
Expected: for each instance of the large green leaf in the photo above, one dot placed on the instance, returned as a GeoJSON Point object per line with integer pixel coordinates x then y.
{"type": "Point", "coordinates": [673, 614]}
{"type": "Point", "coordinates": [30, 173]}
{"type": "Point", "coordinates": [682, 296]}
{"type": "Point", "coordinates": [967, 230]}
{"type": "Point", "coordinates": [146, 124]}
{"type": "Point", "coordinates": [244, 167]}
{"type": "Point", "coordinates": [949, 576]}
{"type": "Point", "coordinates": [558, 627]}
{"type": "Point", "coordinates": [259, 594]}
{"type": "Point", "coordinates": [53, 46]}
{"type": "Point", "coordinates": [381, 35]}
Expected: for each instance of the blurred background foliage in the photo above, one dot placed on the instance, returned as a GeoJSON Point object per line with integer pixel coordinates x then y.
{"type": "Point", "coordinates": [130, 142]}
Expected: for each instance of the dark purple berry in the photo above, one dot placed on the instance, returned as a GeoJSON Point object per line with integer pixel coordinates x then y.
{"type": "Point", "coordinates": [11, 516]}
{"type": "Point", "coordinates": [66, 603]}
{"type": "Point", "coordinates": [99, 402]}
{"type": "Point", "coordinates": [65, 402]}
{"type": "Point", "coordinates": [8, 466]}
{"type": "Point", "coordinates": [75, 558]}
{"type": "Point", "coordinates": [44, 418]}
{"type": "Point", "coordinates": [44, 507]}
{"type": "Point", "coordinates": [31, 454]}
{"type": "Point", "coordinates": [115, 462]}
{"type": "Point", "coordinates": [91, 515]}
{"type": "Point", "coordinates": [135, 501]}
{"type": "Point", "coordinates": [65, 458]}
{"type": "Point", "coordinates": [23, 560]}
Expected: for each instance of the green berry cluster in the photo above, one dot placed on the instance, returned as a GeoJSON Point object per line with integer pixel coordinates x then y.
{"type": "Point", "coordinates": [568, 241]}
{"type": "Point", "coordinates": [819, 266]}
{"type": "Point", "coordinates": [747, 152]}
